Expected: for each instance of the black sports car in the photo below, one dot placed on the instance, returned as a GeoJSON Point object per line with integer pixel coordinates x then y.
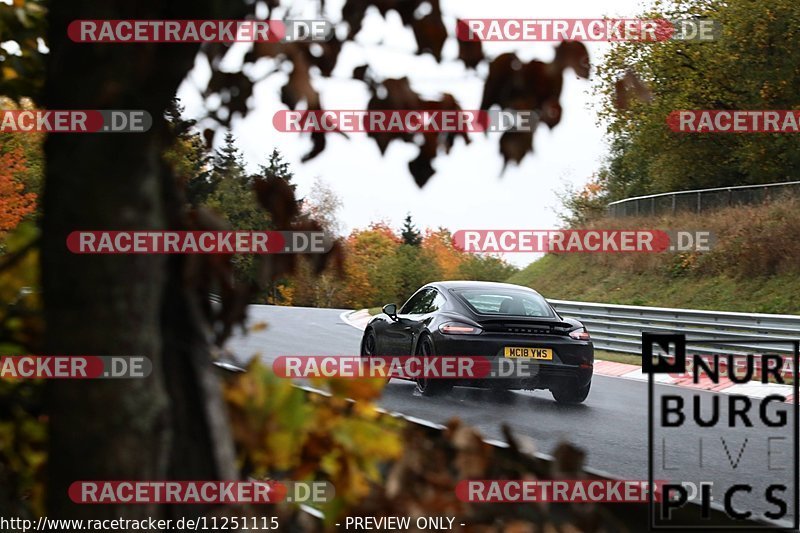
{"type": "Point", "coordinates": [496, 320]}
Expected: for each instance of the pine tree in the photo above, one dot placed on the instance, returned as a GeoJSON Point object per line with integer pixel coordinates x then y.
{"type": "Point", "coordinates": [228, 161]}
{"type": "Point", "coordinates": [410, 233]}
{"type": "Point", "coordinates": [278, 168]}
{"type": "Point", "coordinates": [189, 157]}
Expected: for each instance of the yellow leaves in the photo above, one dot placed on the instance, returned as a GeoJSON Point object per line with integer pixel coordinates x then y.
{"type": "Point", "coordinates": [258, 326]}
{"type": "Point", "coordinates": [19, 315]}
{"type": "Point", "coordinates": [284, 296]}
{"type": "Point", "coordinates": [268, 419]}
{"type": "Point", "coordinates": [23, 432]}
{"type": "Point", "coordinates": [9, 74]}
{"type": "Point", "coordinates": [366, 389]}
{"type": "Point", "coordinates": [369, 437]}
{"type": "Point", "coordinates": [286, 433]}
{"type": "Point", "coordinates": [23, 439]}
{"type": "Point", "coordinates": [378, 464]}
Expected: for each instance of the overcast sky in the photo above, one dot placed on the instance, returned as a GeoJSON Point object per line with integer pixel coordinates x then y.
{"type": "Point", "coordinates": [468, 190]}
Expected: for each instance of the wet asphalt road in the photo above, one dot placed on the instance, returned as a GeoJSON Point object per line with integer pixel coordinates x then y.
{"type": "Point", "coordinates": [611, 426]}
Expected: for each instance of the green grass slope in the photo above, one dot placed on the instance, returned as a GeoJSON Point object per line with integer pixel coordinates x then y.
{"type": "Point", "coordinates": [753, 267]}
{"type": "Point", "coordinates": [572, 277]}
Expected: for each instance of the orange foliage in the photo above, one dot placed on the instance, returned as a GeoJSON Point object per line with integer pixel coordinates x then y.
{"type": "Point", "coordinates": [364, 248]}
{"type": "Point", "coordinates": [592, 189]}
{"type": "Point", "coordinates": [15, 204]}
{"type": "Point", "coordinates": [440, 244]}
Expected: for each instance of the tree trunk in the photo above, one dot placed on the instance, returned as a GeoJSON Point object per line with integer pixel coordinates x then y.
{"type": "Point", "coordinates": [172, 424]}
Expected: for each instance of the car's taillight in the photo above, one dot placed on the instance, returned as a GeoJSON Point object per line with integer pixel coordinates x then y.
{"type": "Point", "coordinates": [580, 334]}
{"type": "Point", "coordinates": [458, 328]}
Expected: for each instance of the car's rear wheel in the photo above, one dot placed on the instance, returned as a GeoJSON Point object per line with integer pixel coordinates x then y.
{"type": "Point", "coordinates": [430, 386]}
{"type": "Point", "coordinates": [369, 347]}
{"type": "Point", "coordinates": [568, 392]}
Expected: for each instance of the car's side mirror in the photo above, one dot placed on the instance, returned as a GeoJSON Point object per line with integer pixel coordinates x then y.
{"type": "Point", "coordinates": [391, 310]}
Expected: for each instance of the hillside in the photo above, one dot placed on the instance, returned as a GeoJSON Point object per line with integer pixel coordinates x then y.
{"type": "Point", "coordinates": [754, 267]}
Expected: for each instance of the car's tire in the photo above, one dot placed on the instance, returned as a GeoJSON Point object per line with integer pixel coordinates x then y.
{"type": "Point", "coordinates": [430, 386]}
{"type": "Point", "coordinates": [369, 346]}
{"type": "Point", "coordinates": [570, 394]}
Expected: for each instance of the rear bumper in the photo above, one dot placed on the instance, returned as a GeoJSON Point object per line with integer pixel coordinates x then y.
{"type": "Point", "coordinates": [544, 376]}
{"type": "Point", "coordinates": [573, 360]}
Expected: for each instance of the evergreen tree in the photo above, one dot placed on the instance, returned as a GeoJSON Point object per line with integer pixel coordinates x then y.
{"type": "Point", "coordinates": [276, 167]}
{"type": "Point", "coordinates": [410, 233]}
{"type": "Point", "coordinates": [228, 163]}
{"type": "Point", "coordinates": [188, 156]}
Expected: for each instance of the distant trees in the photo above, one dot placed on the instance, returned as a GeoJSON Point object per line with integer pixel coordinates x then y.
{"type": "Point", "coordinates": [381, 267]}
{"type": "Point", "coordinates": [322, 204]}
{"type": "Point", "coordinates": [371, 276]}
{"type": "Point", "coordinates": [219, 181]}
{"type": "Point", "coordinates": [307, 289]}
{"type": "Point", "coordinates": [232, 192]}
{"type": "Point", "coordinates": [485, 268]}
{"type": "Point", "coordinates": [587, 203]}
{"type": "Point", "coordinates": [747, 67]}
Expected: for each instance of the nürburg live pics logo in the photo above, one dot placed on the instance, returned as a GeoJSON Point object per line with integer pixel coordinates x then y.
{"type": "Point", "coordinates": [725, 441]}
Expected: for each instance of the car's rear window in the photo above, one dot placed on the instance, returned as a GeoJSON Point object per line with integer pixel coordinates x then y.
{"type": "Point", "coordinates": [509, 302]}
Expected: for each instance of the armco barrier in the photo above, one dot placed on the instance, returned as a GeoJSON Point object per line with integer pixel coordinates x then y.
{"type": "Point", "coordinates": [619, 328]}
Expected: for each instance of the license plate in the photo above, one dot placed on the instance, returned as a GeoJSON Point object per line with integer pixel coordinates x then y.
{"type": "Point", "coordinates": [529, 353]}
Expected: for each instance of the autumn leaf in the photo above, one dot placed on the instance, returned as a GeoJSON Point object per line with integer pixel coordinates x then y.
{"type": "Point", "coordinates": [15, 204]}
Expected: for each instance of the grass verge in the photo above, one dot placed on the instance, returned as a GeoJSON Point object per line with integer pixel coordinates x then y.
{"type": "Point", "coordinates": [753, 265]}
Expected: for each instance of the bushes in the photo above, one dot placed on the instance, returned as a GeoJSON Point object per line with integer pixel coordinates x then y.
{"type": "Point", "coordinates": [750, 241]}
{"type": "Point", "coordinates": [754, 265]}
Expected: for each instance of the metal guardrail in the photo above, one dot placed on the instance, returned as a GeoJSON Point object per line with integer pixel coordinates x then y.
{"type": "Point", "coordinates": [619, 328]}
{"type": "Point", "coordinates": [700, 199]}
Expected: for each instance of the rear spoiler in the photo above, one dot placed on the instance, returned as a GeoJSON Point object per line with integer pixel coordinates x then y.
{"type": "Point", "coordinates": [512, 320]}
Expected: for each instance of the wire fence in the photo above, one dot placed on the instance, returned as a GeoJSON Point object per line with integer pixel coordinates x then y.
{"type": "Point", "coordinates": [701, 200]}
